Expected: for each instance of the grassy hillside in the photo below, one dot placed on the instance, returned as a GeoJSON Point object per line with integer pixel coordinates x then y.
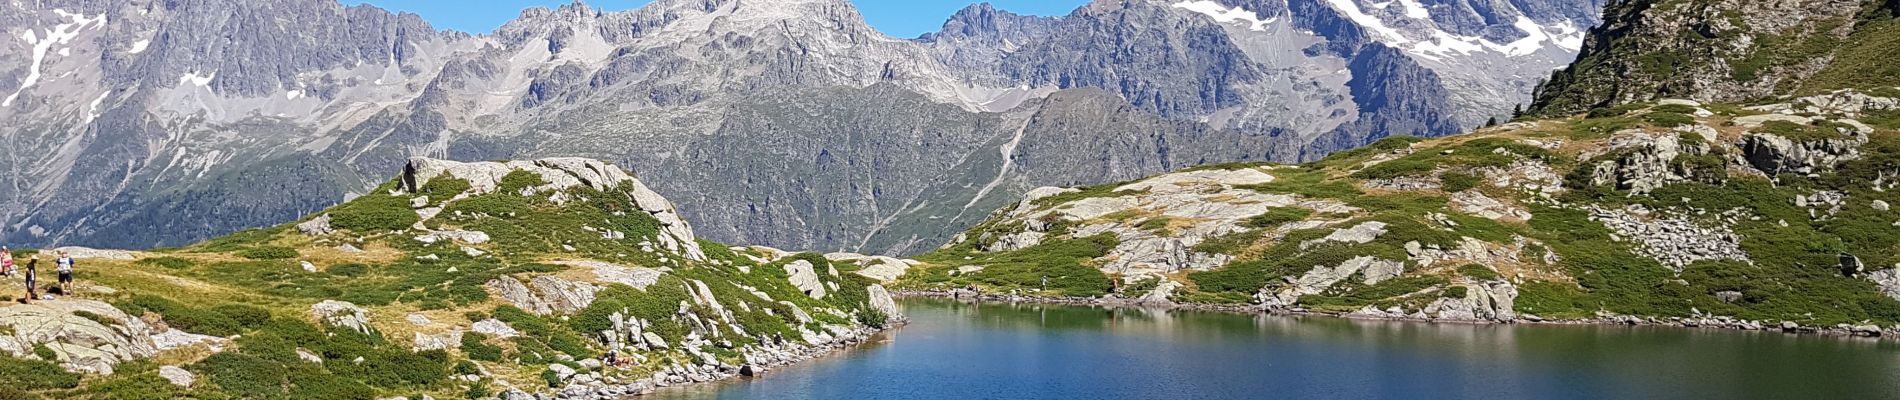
{"type": "Point", "coordinates": [1656, 210]}
{"type": "Point", "coordinates": [408, 258]}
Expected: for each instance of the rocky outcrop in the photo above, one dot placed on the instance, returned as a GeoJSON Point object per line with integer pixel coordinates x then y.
{"type": "Point", "coordinates": [882, 302]}
{"type": "Point", "coordinates": [1322, 277]}
{"type": "Point", "coordinates": [1888, 280]}
{"type": "Point", "coordinates": [1674, 241]}
{"type": "Point", "coordinates": [83, 253]}
{"type": "Point", "coordinates": [561, 174]}
{"type": "Point", "coordinates": [1774, 154]}
{"type": "Point", "coordinates": [564, 296]}
{"type": "Point", "coordinates": [318, 226]}
{"type": "Point", "coordinates": [883, 269]}
{"type": "Point", "coordinates": [177, 376]}
{"type": "Point", "coordinates": [88, 336]}
{"type": "Point", "coordinates": [1483, 302]}
{"type": "Point", "coordinates": [342, 314]}
{"type": "Point", "coordinates": [805, 277]}
{"type": "Point", "coordinates": [518, 295]}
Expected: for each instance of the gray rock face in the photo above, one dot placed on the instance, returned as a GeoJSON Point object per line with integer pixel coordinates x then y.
{"type": "Point", "coordinates": [805, 278]}
{"type": "Point", "coordinates": [82, 344]}
{"type": "Point", "coordinates": [1774, 154]}
{"type": "Point", "coordinates": [177, 376]}
{"type": "Point", "coordinates": [1674, 241]}
{"type": "Point", "coordinates": [882, 302]}
{"type": "Point", "coordinates": [1617, 65]}
{"type": "Point", "coordinates": [341, 314]}
{"type": "Point", "coordinates": [1888, 280]}
{"type": "Point", "coordinates": [518, 295]}
{"type": "Point", "coordinates": [318, 226]}
{"type": "Point", "coordinates": [561, 174]}
{"type": "Point", "coordinates": [213, 109]}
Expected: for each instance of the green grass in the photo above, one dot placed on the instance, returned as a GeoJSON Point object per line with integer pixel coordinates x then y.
{"type": "Point", "coordinates": [1353, 295]}
{"type": "Point", "coordinates": [268, 253]}
{"type": "Point", "coordinates": [1454, 182]}
{"type": "Point", "coordinates": [166, 262]}
{"type": "Point", "coordinates": [31, 375]}
{"type": "Point", "coordinates": [1669, 119]}
{"type": "Point", "coordinates": [1479, 272]}
{"type": "Point", "coordinates": [1804, 133]}
{"type": "Point", "coordinates": [1307, 182]}
{"type": "Point", "coordinates": [1065, 262]}
{"type": "Point", "coordinates": [374, 212]}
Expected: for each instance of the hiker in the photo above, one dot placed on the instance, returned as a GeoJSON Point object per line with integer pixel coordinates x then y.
{"type": "Point", "coordinates": [65, 269]}
{"type": "Point", "coordinates": [6, 261]}
{"type": "Point", "coordinates": [32, 277]}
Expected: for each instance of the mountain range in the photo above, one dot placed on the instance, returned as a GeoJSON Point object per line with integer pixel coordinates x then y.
{"type": "Point", "coordinates": [137, 123]}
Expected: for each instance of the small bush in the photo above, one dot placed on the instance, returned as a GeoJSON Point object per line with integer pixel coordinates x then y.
{"type": "Point", "coordinates": [515, 181]}
{"type": "Point", "coordinates": [24, 374]}
{"type": "Point", "coordinates": [374, 213]}
{"type": "Point", "coordinates": [553, 378]}
{"type": "Point", "coordinates": [473, 346]}
{"type": "Point", "coordinates": [245, 315]}
{"type": "Point", "coordinates": [45, 353]}
{"type": "Point", "coordinates": [183, 317]}
{"type": "Point", "coordinates": [244, 375]}
{"type": "Point", "coordinates": [101, 319]}
{"type": "Point", "coordinates": [1479, 272]}
{"type": "Point", "coordinates": [348, 270]}
{"type": "Point", "coordinates": [872, 317]}
{"type": "Point", "coordinates": [1669, 119]}
{"type": "Point", "coordinates": [1454, 182]}
{"type": "Point", "coordinates": [268, 253]}
{"type": "Point", "coordinates": [1674, 109]}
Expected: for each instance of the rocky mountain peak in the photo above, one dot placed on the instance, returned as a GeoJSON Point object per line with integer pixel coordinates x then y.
{"type": "Point", "coordinates": [1729, 51]}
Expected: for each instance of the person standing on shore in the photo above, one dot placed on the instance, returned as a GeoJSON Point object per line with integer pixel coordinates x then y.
{"type": "Point", "coordinates": [65, 269]}
{"type": "Point", "coordinates": [6, 261]}
{"type": "Point", "coordinates": [32, 276]}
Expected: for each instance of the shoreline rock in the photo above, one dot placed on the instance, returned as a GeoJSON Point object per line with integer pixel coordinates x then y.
{"type": "Point", "coordinates": [1606, 319]}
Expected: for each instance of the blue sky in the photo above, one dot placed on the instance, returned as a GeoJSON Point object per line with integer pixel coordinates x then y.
{"type": "Point", "coordinates": [900, 18]}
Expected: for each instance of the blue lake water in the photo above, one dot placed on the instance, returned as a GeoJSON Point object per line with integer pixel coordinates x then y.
{"type": "Point", "coordinates": [1001, 351]}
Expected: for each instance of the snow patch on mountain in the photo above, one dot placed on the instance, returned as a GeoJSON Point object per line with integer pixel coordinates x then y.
{"type": "Point", "coordinates": [1438, 44]}
{"type": "Point", "coordinates": [139, 46]}
{"type": "Point", "coordinates": [92, 111]}
{"type": "Point", "coordinates": [197, 80]}
{"type": "Point", "coordinates": [1226, 15]}
{"type": "Point", "coordinates": [59, 35]}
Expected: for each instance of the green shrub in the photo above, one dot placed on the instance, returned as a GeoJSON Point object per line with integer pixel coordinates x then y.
{"type": "Point", "coordinates": [1674, 109]}
{"type": "Point", "coordinates": [443, 188]}
{"type": "Point", "coordinates": [1479, 272]}
{"type": "Point", "coordinates": [26, 374]}
{"type": "Point", "coordinates": [515, 181]}
{"type": "Point", "coordinates": [45, 353]}
{"type": "Point", "coordinates": [1278, 216]}
{"type": "Point", "coordinates": [1454, 292]}
{"type": "Point", "coordinates": [466, 367]}
{"type": "Point", "coordinates": [872, 317]}
{"type": "Point", "coordinates": [101, 319]}
{"type": "Point", "coordinates": [553, 378]}
{"type": "Point", "coordinates": [375, 212]}
{"type": "Point", "coordinates": [245, 376]}
{"type": "Point", "coordinates": [1669, 119]}
{"type": "Point", "coordinates": [348, 270]}
{"type": "Point", "coordinates": [268, 253]}
{"type": "Point", "coordinates": [183, 317]}
{"type": "Point", "coordinates": [1454, 182]}
{"type": "Point", "coordinates": [1354, 295]}
{"type": "Point", "coordinates": [473, 345]}
{"type": "Point", "coordinates": [245, 315]}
